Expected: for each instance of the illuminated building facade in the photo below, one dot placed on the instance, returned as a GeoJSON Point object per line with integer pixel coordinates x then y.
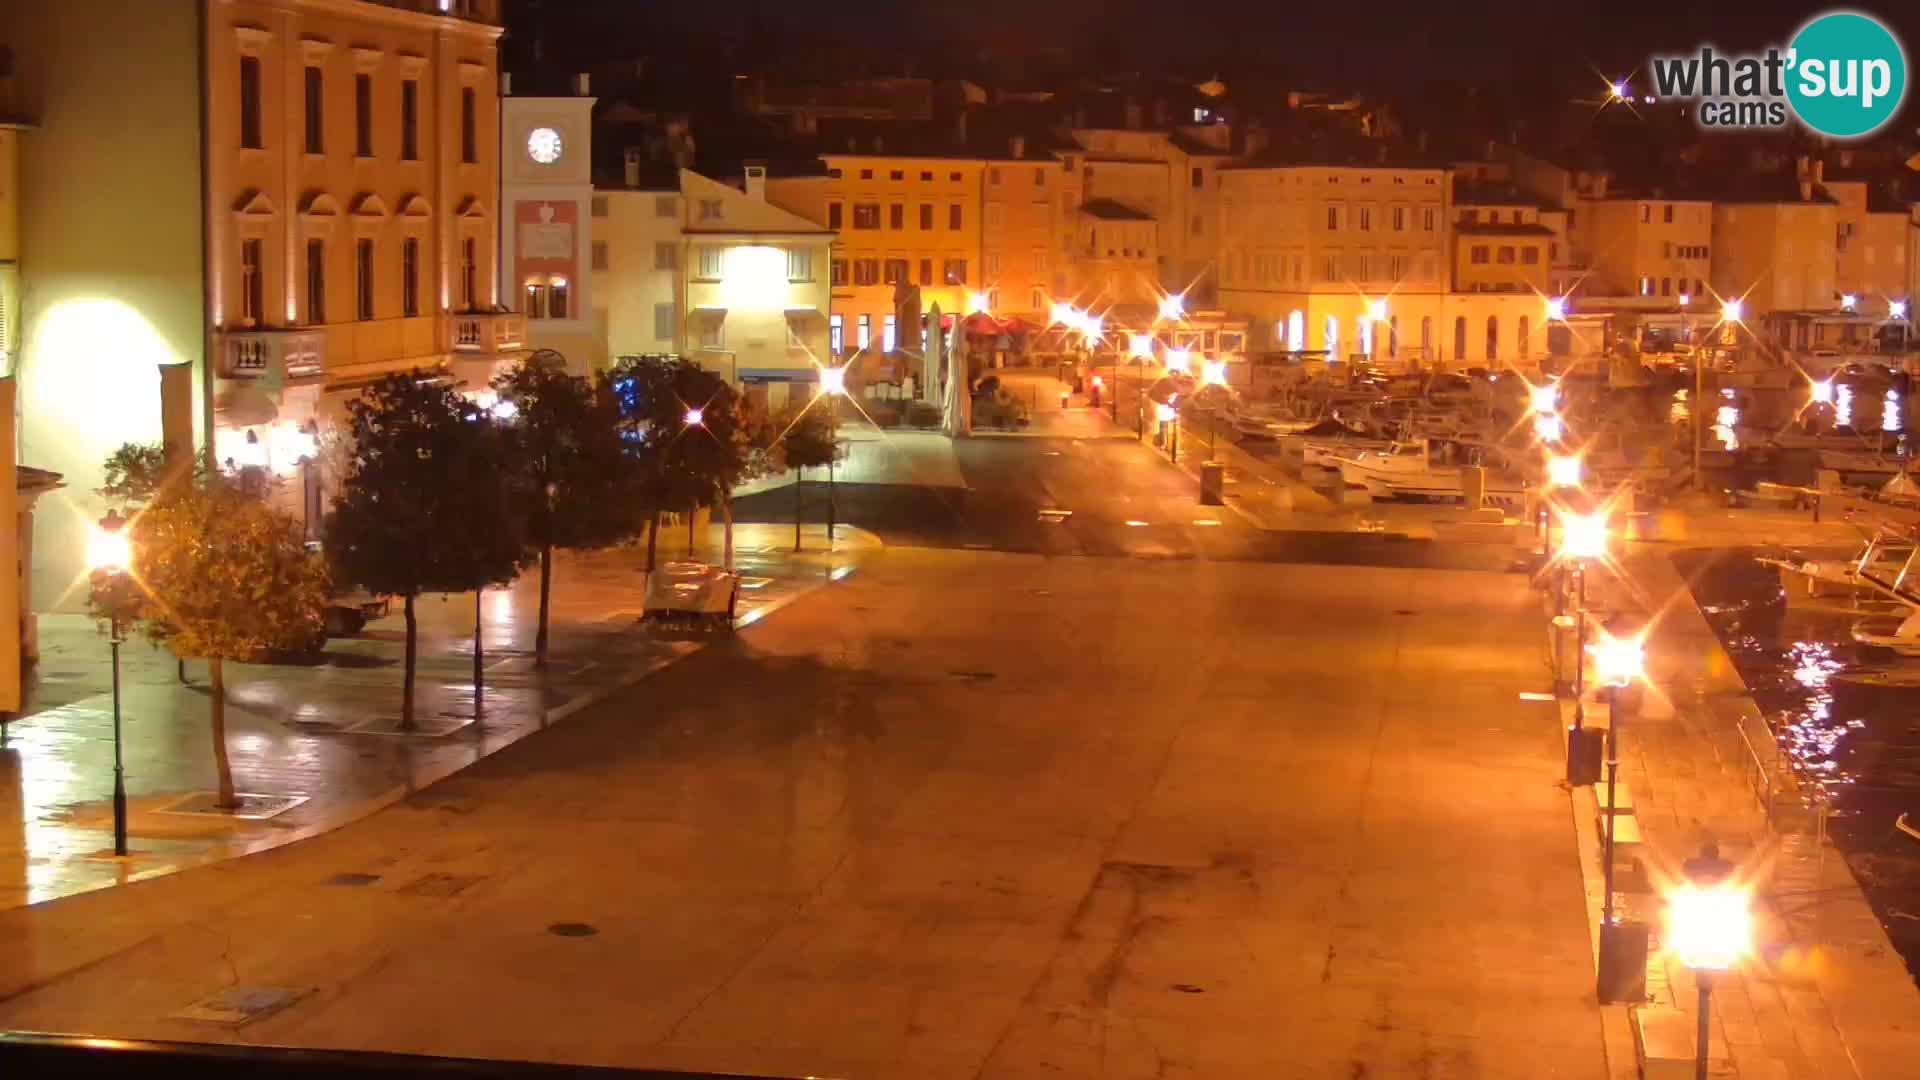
{"type": "Point", "coordinates": [897, 219]}
{"type": "Point", "coordinates": [277, 205]}
{"type": "Point", "coordinates": [547, 242]}
{"type": "Point", "coordinates": [1647, 246]}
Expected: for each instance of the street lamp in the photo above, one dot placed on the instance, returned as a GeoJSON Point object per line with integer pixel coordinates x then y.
{"type": "Point", "coordinates": [1617, 663]}
{"type": "Point", "coordinates": [1709, 927]}
{"type": "Point", "coordinates": [1582, 537]}
{"type": "Point", "coordinates": [833, 383]}
{"type": "Point", "coordinates": [695, 417]}
{"type": "Point", "coordinates": [1173, 307]}
{"type": "Point", "coordinates": [1544, 398]}
{"type": "Point", "coordinates": [110, 553]}
{"type": "Point", "coordinates": [1563, 470]}
{"type": "Point", "coordinates": [1557, 309]}
{"type": "Point", "coordinates": [1731, 308]}
{"type": "Point", "coordinates": [1549, 428]}
{"type": "Point", "coordinates": [1169, 425]}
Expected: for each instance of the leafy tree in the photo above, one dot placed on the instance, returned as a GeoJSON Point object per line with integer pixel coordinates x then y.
{"type": "Point", "coordinates": [582, 486]}
{"type": "Point", "coordinates": [429, 504]}
{"type": "Point", "coordinates": [810, 442]}
{"type": "Point", "coordinates": [682, 465]}
{"type": "Point", "coordinates": [220, 576]}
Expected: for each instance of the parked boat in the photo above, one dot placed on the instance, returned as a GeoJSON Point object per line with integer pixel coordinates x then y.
{"type": "Point", "coordinates": [1430, 467]}
{"type": "Point", "coordinates": [1877, 567]}
{"type": "Point", "coordinates": [1898, 633]}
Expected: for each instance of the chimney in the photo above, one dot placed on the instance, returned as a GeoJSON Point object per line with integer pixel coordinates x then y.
{"type": "Point", "coordinates": [960, 127]}
{"type": "Point", "coordinates": [756, 176]}
{"type": "Point", "coordinates": [1017, 147]}
{"type": "Point", "coordinates": [506, 84]}
{"type": "Point", "coordinates": [631, 162]}
{"type": "Point", "coordinates": [583, 85]}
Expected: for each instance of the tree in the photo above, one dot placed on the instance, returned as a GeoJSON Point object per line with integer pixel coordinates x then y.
{"type": "Point", "coordinates": [582, 486]}
{"type": "Point", "coordinates": [429, 504]}
{"type": "Point", "coordinates": [809, 443]}
{"type": "Point", "coordinates": [686, 428]}
{"type": "Point", "coordinates": [220, 576]}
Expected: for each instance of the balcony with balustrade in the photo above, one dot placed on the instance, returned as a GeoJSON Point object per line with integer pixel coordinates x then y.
{"type": "Point", "coordinates": [273, 357]}
{"type": "Point", "coordinates": [486, 332]}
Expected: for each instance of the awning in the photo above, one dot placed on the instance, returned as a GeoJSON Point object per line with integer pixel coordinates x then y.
{"type": "Point", "coordinates": [707, 316]}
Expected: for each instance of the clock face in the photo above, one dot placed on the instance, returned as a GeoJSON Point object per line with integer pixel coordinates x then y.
{"type": "Point", "coordinates": [543, 145]}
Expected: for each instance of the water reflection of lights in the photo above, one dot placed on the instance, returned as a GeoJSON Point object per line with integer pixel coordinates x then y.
{"type": "Point", "coordinates": [1890, 419]}
{"type": "Point", "coordinates": [1843, 406]}
{"type": "Point", "coordinates": [1809, 732]}
{"type": "Point", "coordinates": [1679, 412]}
{"type": "Point", "coordinates": [1725, 420]}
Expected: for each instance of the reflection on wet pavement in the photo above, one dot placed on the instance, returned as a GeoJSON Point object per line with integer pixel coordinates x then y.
{"type": "Point", "coordinates": [324, 732]}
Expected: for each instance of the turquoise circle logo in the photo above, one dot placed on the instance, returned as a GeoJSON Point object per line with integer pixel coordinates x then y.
{"type": "Point", "coordinates": [1847, 74]}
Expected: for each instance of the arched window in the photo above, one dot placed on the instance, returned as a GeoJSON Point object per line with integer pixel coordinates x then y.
{"type": "Point", "coordinates": [1493, 337]}
{"type": "Point", "coordinates": [1332, 341]}
{"type": "Point", "coordinates": [1520, 342]}
{"type": "Point", "coordinates": [1666, 286]}
{"type": "Point", "coordinates": [1426, 336]}
{"type": "Point", "coordinates": [1363, 333]}
{"type": "Point", "coordinates": [1039, 300]}
{"type": "Point", "coordinates": [1460, 338]}
{"type": "Point", "coordinates": [1296, 330]}
{"type": "Point", "coordinates": [1393, 336]}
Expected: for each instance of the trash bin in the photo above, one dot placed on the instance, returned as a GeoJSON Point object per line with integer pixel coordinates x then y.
{"type": "Point", "coordinates": [1213, 482]}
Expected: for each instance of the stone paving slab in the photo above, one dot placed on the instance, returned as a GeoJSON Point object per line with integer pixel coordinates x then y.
{"type": "Point", "coordinates": [327, 732]}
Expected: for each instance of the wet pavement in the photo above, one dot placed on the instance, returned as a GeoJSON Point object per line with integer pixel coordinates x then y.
{"type": "Point", "coordinates": [318, 743]}
{"type": "Point", "coordinates": [963, 815]}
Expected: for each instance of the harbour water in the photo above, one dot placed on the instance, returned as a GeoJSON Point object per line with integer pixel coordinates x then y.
{"type": "Point", "coordinates": [1849, 722]}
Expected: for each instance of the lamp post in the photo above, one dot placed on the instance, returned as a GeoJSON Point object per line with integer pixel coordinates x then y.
{"type": "Point", "coordinates": [1582, 537]}
{"type": "Point", "coordinates": [1617, 664]}
{"type": "Point", "coordinates": [1709, 928]}
{"type": "Point", "coordinates": [109, 553]}
{"type": "Point", "coordinates": [1563, 471]}
{"type": "Point", "coordinates": [1169, 422]}
{"type": "Point", "coordinates": [833, 384]}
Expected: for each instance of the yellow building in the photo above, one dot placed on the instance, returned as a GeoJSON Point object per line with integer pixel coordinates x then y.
{"type": "Point", "coordinates": [1341, 259]}
{"type": "Point", "coordinates": [1500, 244]}
{"type": "Point", "coordinates": [1648, 246]}
{"type": "Point", "coordinates": [1775, 246]}
{"type": "Point", "coordinates": [343, 226]}
{"type": "Point", "coordinates": [1028, 207]}
{"type": "Point", "coordinates": [1173, 177]}
{"type": "Point", "coordinates": [896, 219]}
{"type": "Point", "coordinates": [1871, 241]}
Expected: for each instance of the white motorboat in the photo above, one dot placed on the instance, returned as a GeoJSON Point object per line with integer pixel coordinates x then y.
{"type": "Point", "coordinates": [1898, 633]}
{"type": "Point", "coordinates": [1879, 566]}
{"type": "Point", "coordinates": [1429, 467]}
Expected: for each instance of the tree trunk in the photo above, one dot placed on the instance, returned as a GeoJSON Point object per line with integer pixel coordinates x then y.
{"type": "Point", "coordinates": [653, 536]}
{"type": "Point", "coordinates": [217, 675]}
{"type": "Point", "coordinates": [726, 507]}
{"type": "Point", "coordinates": [546, 590]}
{"type": "Point", "coordinates": [479, 650]}
{"type": "Point", "coordinates": [180, 669]}
{"type": "Point", "coordinates": [406, 680]}
{"type": "Point", "coordinates": [798, 475]}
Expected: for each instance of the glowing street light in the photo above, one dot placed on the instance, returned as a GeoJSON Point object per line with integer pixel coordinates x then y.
{"type": "Point", "coordinates": [1557, 308]}
{"type": "Point", "coordinates": [1377, 310]}
{"type": "Point", "coordinates": [1059, 314]}
{"type": "Point", "coordinates": [833, 380]}
{"type": "Point", "coordinates": [695, 417]}
{"type": "Point", "coordinates": [1821, 391]}
{"type": "Point", "coordinates": [1140, 346]}
{"type": "Point", "coordinates": [1896, 309]}
{"type": "Point", "coordinates": [1730, 309]}
{"type": "Point", "coordinates": [1173, 307]}
{"type": "Point", "coordinates": [1583, 536]}
{"type": "Point", "coordinates": [1709, 927]}
{"type": "Point", "coordinates": [1178, 359]}
{"type": "Point", "coordinates": [1213, 373]}
{"type": "Point", "coordinates": [1563, 470]}
{"type": "Point", "coordinates": [1547, 427]}
{"type": "Point", "coordinates": [977, 303]}
{"type": "Point", "coordinates": [1544, 398]}
{"type": "Point", "coordinates": [110, 554]}
{"type": "Point", "coordinates": [1617, 664]}
{"type": "Point", "coordinates": [1848, 301]}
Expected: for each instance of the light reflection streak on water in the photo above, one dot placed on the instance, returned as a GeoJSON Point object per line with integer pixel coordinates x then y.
{"type": "Point", "coordinates": [1843, 406]}
{"type": "Point", "coordinates": [1678, 412]}
{"type": "Point", "coordinates": [1890, 419]}
{"type": "Point", "coordinates": [1725, 420]}
{"type": "Point", "coordinates": [1809, 733]}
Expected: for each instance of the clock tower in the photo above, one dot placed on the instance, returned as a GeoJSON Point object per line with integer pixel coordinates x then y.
{"type": "Point", "coordinates": [546, 221]}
